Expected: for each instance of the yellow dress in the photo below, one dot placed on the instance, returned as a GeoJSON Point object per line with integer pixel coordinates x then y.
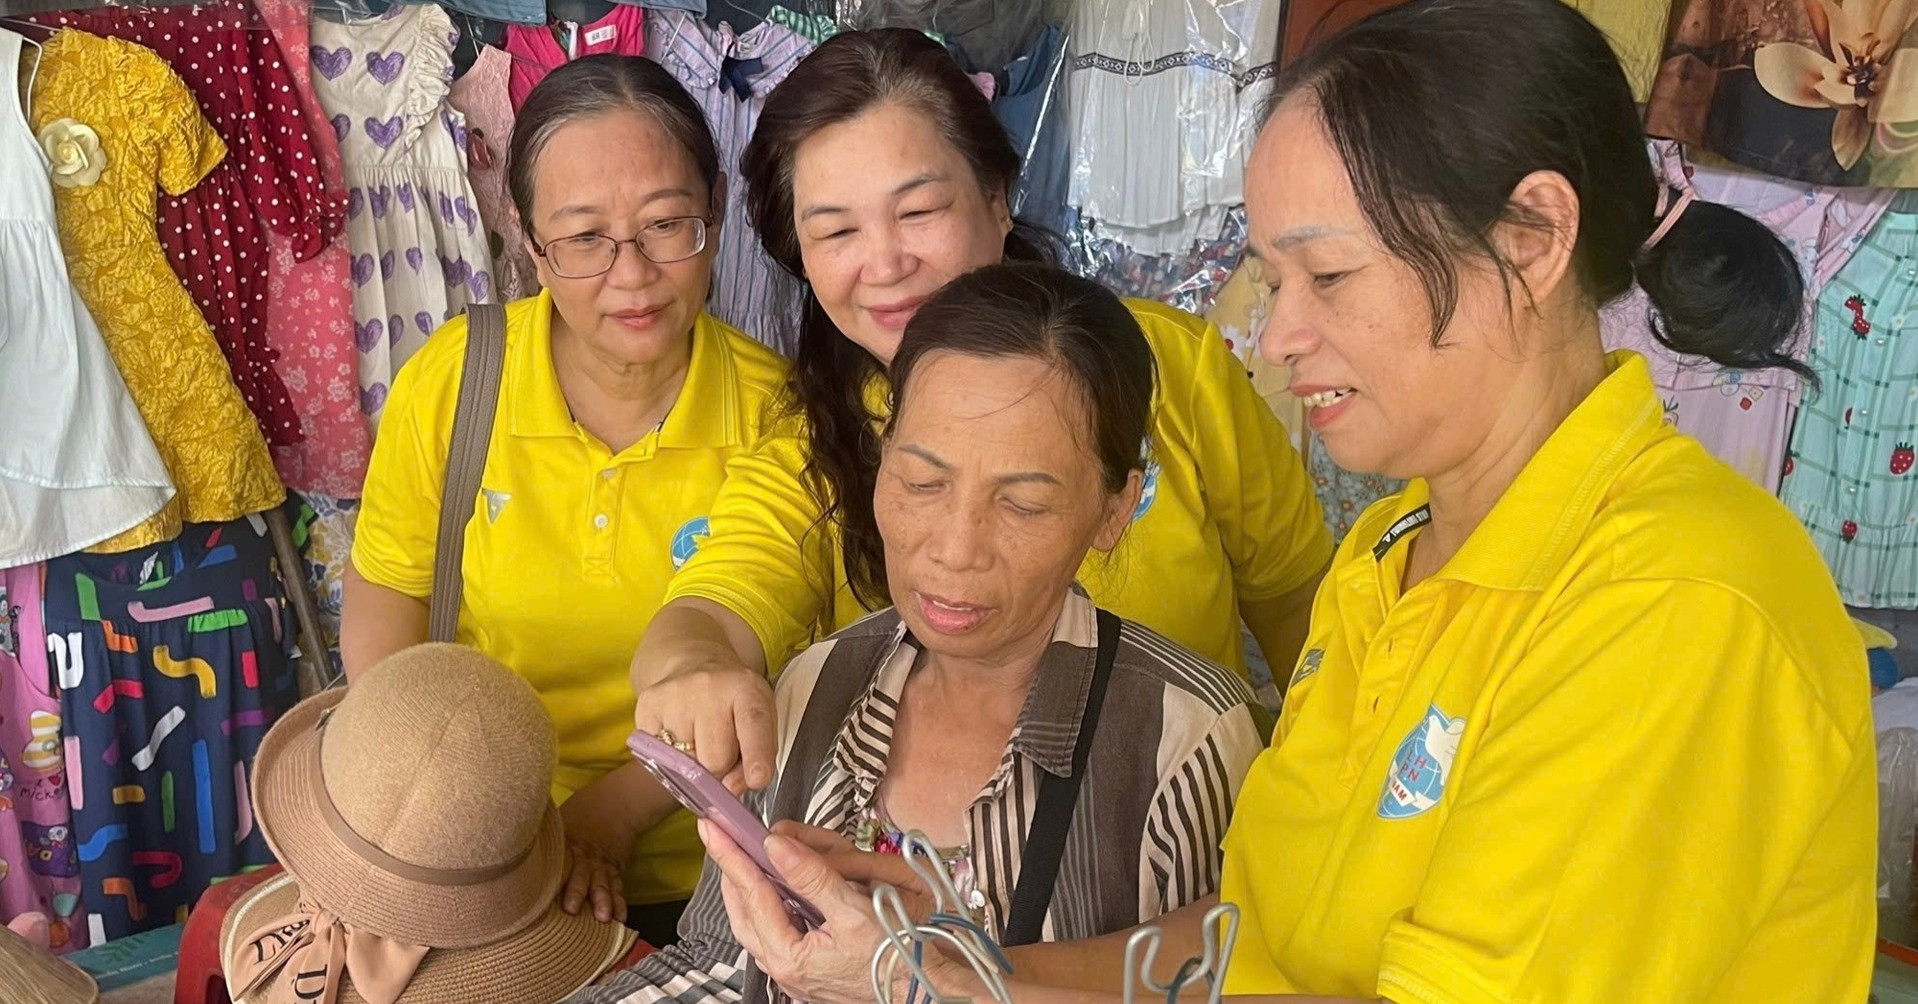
{"type": "Point", "coordinates": [151, 134]}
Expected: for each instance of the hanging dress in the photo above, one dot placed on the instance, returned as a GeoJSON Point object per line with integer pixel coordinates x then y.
{"type": "Point", "coordinates": [76, 463]}
{"type": "Point", "coordinates": [308, 304]}
{"type": "Point", "coordinates": [151, 136]}
{"type": "Point", "coordinates": [419, 251]}
{"type": "Point", "coordinates": [481, 95]}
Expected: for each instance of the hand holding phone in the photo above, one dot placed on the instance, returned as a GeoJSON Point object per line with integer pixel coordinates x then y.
{"type": "Point", "coordinates": [706, 797]}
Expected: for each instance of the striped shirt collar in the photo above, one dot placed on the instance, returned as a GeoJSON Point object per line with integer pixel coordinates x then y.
{"type": "Point", "coordinates": [1048, 725]}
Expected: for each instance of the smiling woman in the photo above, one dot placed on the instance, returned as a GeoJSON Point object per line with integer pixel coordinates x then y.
{"type": "Point", "coordinates": [994, 707]}
{"type": "Point", "coordinates": [615, 383]}
{"type": "Point", "coordinates": [878, 174]}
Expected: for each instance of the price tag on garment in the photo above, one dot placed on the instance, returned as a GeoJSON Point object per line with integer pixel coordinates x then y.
{"type": "Point", "coordinates": [602, 35]}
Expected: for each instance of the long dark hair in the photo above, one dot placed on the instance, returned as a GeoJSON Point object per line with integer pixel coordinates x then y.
{"type": "Point", "coordinates": [1033, 311]}
{"type": "Point", "coordinates": [1440, 107]}
{"type": "Point", "coordinates": [851, 73]}
{"type": "Point", "coordinates": [600, 83]}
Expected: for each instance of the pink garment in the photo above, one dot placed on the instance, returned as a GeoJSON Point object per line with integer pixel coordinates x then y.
{"type": "Point", "coordinates": [1744, 417]}
{"type": "Point", "coordinates": [481, 95]}
{"type": "Point", "coordinates": [39, 867]}
{"type": "Point", "coordinates": [310, 308]}
{"type": "Point", "coordinates": [536, 52]}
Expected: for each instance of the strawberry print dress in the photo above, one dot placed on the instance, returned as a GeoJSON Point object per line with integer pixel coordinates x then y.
{"type": "Point", "coordinates": [413, 224]}
{"type": "Point", "coordinates": [1852, 474]}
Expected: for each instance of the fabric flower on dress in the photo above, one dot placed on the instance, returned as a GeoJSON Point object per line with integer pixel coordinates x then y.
{"type": "Point", "coordinates": [74, 150]}
{"type": "Point", "coordinates": [1857, 69]}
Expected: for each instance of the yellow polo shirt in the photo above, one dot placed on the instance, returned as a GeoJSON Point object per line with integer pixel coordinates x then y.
{"type": "Point", "coordinates": [571, 545]}
{"type": "Point", "coordinates": [1618, 749]}
{"type": "Point", "coordinates": [1228, 514]}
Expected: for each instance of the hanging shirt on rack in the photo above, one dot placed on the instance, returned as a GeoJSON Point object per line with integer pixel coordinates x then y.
{"type": "Point", "coordinates": [150, 135]}
{"type": "Point", "coordinates": [481, 94]}
{"type": "Point", "coordinates": [1165, 103]}
{"type": "Point", "coordinates": [540, 49]}
{"type": "Point", "coordinates": [309, 306]}
{"type": "Point", "coordinates": [729, 75]}
{"type": "Point", "coordinates": [419, 252]}
{"type": "Point", "coordinates": [216, 234]}
{"type": "Point", "coordinates": [1853, 472]}
{"type": "Point", "coordinates": [77, 464]}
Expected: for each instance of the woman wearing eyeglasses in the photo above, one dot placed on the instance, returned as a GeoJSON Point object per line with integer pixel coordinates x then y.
{"type": "Point", "coordinates": [620, 404]}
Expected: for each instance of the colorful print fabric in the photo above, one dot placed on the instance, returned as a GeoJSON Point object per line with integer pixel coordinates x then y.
{"type": "Point", "coordinates": [1852, 473]}
{"type": "Point", "coordinates": [171, 662]}
{"type": "Point", "coordinates": [309, 306]}
{"type": "Point", "coordinates": [1824, 91]}
{"type": "Point", "coordinates": [36, 824]}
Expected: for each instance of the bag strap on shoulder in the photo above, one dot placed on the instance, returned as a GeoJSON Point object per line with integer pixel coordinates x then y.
{"type": "Point", "coordinates": [480, 372]}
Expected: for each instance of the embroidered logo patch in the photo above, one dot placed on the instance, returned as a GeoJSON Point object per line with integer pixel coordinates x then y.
{"type": "Point", "coordinates": [1308, 665]}
{"type": "Point", "coordinates": [686, 539]}
{"type": "Point", "coordinates": [495, 503]}
{"type": "Point", "coordinates": [1421, 766]}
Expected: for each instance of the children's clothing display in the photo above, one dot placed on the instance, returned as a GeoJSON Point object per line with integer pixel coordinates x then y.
{"type": "Point", "coordinates": [216, 233]}
{"type": "Point", "coordinates": [171, 661]}
{"type": "Point", "coordinates": [1853, 472]}
{"type": "Point", "coordinates": [310, 303]}
{"type": "Point", "coordinates": [37, 873]}
{"type": "Point", "coordinates": [119, 107]}
{"type": "Point", "coordinates": [538, 49]}
{"type": "Point", "coordinates": [481, 96]}
{"type": "Point", "coordinates": [77, 464]}
{"type": "Point", "coordinates": [419, 252]}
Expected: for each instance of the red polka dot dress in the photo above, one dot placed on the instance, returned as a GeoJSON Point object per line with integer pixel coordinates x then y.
{"type": "Point", "coordinates": [216, 234]}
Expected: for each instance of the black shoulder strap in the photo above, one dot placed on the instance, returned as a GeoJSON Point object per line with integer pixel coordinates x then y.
{"type": "Point", "coordinates": [466, 459]}
{"type": "Point", "coordinates": [1052, 813]}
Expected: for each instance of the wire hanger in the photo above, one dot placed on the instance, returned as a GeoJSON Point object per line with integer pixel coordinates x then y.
{"type": "Point", "coordinates": [1142, 950]}
{"type": "Point", "coordinates": [906, 938]}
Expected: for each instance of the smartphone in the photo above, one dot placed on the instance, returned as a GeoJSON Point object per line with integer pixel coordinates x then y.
{"type": "Point", "coordinates": [706, 797]}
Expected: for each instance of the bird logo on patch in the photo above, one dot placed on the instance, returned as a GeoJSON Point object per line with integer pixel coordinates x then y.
{"type": "Point", "coordinates": [1421, 766]}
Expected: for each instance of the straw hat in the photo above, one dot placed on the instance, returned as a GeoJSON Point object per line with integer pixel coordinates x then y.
{"type": "Point", "coordinates": [412, 812]}
{"type": "Point", "coordinates": [31, 975]}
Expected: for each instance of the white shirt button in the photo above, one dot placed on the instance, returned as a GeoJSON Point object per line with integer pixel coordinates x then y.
{"type": "Point", "coordinates": [600, 521]}
{"type": "Point", "coordinates": [607, 474]}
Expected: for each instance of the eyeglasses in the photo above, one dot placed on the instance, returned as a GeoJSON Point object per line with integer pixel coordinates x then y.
{"type": "Point", "coordinates": [662, 242]}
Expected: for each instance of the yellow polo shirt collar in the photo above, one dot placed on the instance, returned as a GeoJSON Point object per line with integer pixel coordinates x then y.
{"type": "Point", "coordinates": [706, 415]}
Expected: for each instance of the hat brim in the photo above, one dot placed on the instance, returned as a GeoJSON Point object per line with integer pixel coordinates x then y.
{"type": "Point", "coordinates": [287, 789]}
{"type": "Point", "coordinates": [547, 961]}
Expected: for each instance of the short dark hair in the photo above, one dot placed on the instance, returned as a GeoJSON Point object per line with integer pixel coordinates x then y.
{"type": "Point", "coordinates": [1030, 311]}
{"type": "Point", "coordinates": [1440, 107]}
{"type": "Point", "coordinates": [1020, 310]}
{"type": "Point", "coordinates": [600, 83]}
{"type": "Point", "coordinates": [850, 74]}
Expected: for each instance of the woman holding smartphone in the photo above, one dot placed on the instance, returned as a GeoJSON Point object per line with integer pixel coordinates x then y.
{"type": "Point", "coordinates": [994, 705]}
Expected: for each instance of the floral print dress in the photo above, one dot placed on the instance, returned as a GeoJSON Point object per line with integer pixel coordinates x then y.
{"type": "Point", "coordinates": [419, 250]}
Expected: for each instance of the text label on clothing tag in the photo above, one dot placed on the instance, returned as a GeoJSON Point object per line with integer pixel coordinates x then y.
{"type": "Point", "coordinates": [603, 34]}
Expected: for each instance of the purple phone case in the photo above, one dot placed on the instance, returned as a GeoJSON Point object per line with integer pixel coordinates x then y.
{"type": "Point", "coordinates": [704, 796]}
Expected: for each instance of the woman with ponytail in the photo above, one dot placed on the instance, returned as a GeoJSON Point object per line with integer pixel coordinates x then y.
{"type": "Point", "coordinates": [1580, 716]}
